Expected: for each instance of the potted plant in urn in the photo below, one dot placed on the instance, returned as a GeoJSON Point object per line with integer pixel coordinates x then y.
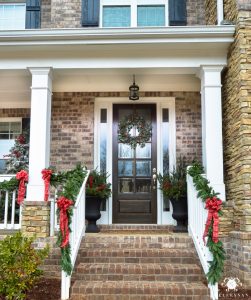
{"type": "Point", "coordinates": [174, 188]}
{"type": "Point", "coordinates": [97, 190]}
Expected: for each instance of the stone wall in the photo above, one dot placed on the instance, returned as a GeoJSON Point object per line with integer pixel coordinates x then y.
{"type": "Point", "coordinates": [211, 12]}
{"type": "Point", "coordinates": [67, 14]}
{"type": "Point", "coordinates": [237, 123]}
{"type": "Point", "coordinates": [45, 13]}
{"type": "Point", "coordinates": [73, 126]}
{"type": "Point", "coordinates": [36, 218]}
{"type": "Point", "coordinates": [195, 12]}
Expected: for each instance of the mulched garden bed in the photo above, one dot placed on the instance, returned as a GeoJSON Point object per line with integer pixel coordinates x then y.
{"type": "Point", "coordinates": [49, 289]}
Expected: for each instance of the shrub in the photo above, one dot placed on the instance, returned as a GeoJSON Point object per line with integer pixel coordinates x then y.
{"type": "Point", "coordinates": [19, 263]}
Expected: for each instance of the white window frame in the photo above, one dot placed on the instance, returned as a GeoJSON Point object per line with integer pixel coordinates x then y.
{"type": "Point", "coordinates": [16, 4]}
{"type": "Point", "coordinates": [10, 120]}
{"type": "Point", "coordinates": [134, 6]}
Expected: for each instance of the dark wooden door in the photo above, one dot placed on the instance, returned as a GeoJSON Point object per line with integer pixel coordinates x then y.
{"type": "Point", "coordinates": [134, 190]}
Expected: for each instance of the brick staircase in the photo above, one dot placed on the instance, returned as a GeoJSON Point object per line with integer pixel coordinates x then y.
{"type": "Point", "coordinates": [138, 263]}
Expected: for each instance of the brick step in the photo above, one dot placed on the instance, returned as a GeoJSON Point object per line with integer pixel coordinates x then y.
{"type": "Point", "coordinates": [101, 241]}
{"type": "Point", "coordinates": [139, 272]}
{"type": "Point", "coordinates": [175, 256]}
{"type": "Point", "coordinates": [125, 228]}
{"type": "Point", "coordinates": [138, 290]}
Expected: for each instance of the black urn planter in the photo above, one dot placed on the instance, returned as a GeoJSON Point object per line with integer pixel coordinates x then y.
{"type": "Point", "coordinates": [92, 212]}
{"type": "Point", "coordinates": [180, 214]}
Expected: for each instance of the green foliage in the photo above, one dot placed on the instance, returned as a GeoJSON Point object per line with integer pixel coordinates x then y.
{"type": "Point", "coordinates": [173, 185]}
{"type": "Point", "coordinates": [205, 191]}
{"type": "Point", "coordinates": [97, 185]}
{"type": "Point", "coordinates": [19, 263]}
{"type": "Point", "coordinates": [9, 185]}
{"type": "Point", "coordinates": [69, 184]}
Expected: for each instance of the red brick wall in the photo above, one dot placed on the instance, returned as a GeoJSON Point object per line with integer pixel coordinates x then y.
{"type": "Point", "coordinates": [73, 125]}
{"type": "Point", "coordinates": [15, 113]}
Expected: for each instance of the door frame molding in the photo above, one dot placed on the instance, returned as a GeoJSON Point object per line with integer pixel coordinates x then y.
{"type": "Point", "coordinates": [161, 102]}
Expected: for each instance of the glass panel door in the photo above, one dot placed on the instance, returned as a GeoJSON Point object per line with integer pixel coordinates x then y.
{"type": "Point", "coordinates": [134, 194]}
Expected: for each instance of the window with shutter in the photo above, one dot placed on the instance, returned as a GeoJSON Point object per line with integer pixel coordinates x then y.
{"type": "Point", "coordinates": [32, 14]}
{"type": "Point", "coordinates": [177, 13]}
{"type": "Point", "coordinates": [90, 13]}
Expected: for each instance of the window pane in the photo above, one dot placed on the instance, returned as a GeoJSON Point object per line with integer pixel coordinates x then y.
{"type": "Point", "coordinates": [149, 15]}
{"type": "Point", "coordinates": [116, 16]}
{"type": "Point", "coordinates": [143, 168]}
{"type": "Point", "coordinates": [12, 16]}
{"type": "Point", "coordinates": [125, 168]}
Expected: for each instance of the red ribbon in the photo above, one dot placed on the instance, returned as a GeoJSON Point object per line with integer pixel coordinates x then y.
{"type": "Point", "coordinates": [46, 178]}
{"type": "Point", "coordinates": [63, 205]}
{"type": "Point", "coordinates": [22, 176]}
{"type": "Point", "coordinates": [213, 205]}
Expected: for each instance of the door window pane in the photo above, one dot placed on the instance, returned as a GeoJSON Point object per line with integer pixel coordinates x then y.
{"type": "Point", "coordinates": [116, 16]}
{"type": "Point", "coordinates": [126, 185]}
{"type": "Point", "coordinates": [149, 15]}
{"type": "Point", "coordinates": [144, 152]}
{"type": "Point", "coordinates": [143, 168]}
{"type": "Point", "coordinates": [125, 151]}
{"type": "Point", "coordinates": [143, 185]}
{"type": "Point", "coordinates": [12, 16]}
{"type": "Point", "coordinates": [125, 168]}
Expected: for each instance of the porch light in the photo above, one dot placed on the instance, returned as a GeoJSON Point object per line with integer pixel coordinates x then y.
{"type": "Point", "coordinates": [134, 91]}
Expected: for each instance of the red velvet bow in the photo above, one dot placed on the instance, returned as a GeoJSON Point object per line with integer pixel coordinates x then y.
{"type": "Point", "coordinates": [46, 178]}
{"type": "Point", "coordinates": [213, 205]}
{"type": "Point", "coordinates": [22, 176]}
{"type": "Point", "coordinates": [63, 205]}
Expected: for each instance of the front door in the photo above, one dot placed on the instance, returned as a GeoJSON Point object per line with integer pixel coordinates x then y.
{"type": "Point", "coordinates": [134, 190]}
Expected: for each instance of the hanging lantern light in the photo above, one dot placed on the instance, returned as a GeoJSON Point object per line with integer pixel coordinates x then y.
{"type": "Point", "coordinates": [134, 91]}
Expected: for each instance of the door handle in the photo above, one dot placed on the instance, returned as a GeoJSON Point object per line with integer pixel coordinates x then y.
{"type": "Point", "coordinates": [154, 177]}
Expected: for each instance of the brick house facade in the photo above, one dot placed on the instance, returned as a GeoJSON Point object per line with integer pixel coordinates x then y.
{"type": "Point", "coordinates": [207, 51]}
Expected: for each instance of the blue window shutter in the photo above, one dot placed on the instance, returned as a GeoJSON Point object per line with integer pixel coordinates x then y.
{"type": "Point", "coordinates": [90, 13]}
{"type": "Point", "coordinates": [32, 14]}
{"type": "Point", "coordinates": [177, 13]}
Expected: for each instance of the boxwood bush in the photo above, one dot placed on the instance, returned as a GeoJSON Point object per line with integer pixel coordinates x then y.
{"type": "Point", "coordinates": [19, 263]}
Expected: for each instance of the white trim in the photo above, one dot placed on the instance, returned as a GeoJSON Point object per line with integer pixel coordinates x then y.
{"type": "Point", "coordinates": [161, 102]}
{"type": "Point", "coordinates": [139, 35]}
{"type": "Point", "coordinates": [220, 11]}
{"type": "Point", "coordinates": [11, 120]}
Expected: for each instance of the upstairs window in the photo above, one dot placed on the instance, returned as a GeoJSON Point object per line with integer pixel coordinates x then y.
{"type": "Point", "coordinates": [116, 16]}
{"type": "Point", "coordinates": [12, 16]}
{"type": "Point", "coordinates": [133, 13]}
{"type": "Point", "coordinates": [150, 15]}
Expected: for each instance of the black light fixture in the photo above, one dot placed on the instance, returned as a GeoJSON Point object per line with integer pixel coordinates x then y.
{"type": "Point", "coordinates": [134, 91]}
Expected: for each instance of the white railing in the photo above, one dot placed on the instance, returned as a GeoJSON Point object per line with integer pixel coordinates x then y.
{"type": "Point", "coordinates": [76, 234]}
{"type": "Point", "coordinates": [10, 212]}
{"type": "Point", "coordinates": [197, 216]}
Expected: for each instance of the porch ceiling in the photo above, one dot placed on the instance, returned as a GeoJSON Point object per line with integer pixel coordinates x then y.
{"type": "Point", "coordinates": [163, 59]}
{"type": "Point", "coordinates": [15, 84]}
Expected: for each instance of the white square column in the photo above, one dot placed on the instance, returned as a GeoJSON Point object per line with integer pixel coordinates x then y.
{"type": "Point", "coordinates": [39, 157]}
{"type": "Point", "coordinates": [211, 109]}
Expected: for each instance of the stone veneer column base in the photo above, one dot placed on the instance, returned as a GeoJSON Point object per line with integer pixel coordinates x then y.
{"type": "Point", "coordinates": [238, 263]}
{"type": "Point", "coordinates": [36, 219]}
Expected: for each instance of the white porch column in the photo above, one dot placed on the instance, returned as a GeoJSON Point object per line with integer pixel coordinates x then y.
{"type": "Point", "coordinates": [212, 146]}
{"type": "Point", "coordinates": [41, 91]}
{"type": "Point", "coordinates": [220, 11]}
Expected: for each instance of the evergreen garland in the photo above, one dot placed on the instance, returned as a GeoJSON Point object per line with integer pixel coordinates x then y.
{"type": "Point", "coordinates": [69, 183]}
{"type": "Point", "coordinates": [9, 185]}
{"type": "Point", "coordinates": [205, 191]}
